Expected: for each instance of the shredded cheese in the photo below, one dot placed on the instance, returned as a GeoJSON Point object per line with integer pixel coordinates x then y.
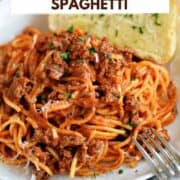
{"type": "Point", "coordinates": [96, 57]}
{"type": "Point", "coordinates": [73, 167]}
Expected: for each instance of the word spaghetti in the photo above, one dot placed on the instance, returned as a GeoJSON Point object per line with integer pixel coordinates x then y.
{"type": "Point", "coordinates": [89, 4]}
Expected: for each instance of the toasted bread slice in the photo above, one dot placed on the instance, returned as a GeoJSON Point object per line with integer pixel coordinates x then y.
{"type": "Point", "coordinates": [151, 36]}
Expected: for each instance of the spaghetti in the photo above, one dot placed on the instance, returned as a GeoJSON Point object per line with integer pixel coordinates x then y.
{"type": "Point", "coordinates": [70, 103]}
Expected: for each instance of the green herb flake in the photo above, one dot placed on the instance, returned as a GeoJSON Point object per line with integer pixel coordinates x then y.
{"type": "Point", "coordinates": [128, 122]}
{"type": "Point", "coordinates": [65, 56]}
{"type": "Point", "coordinates": [109, 58]}
{"type": "Point", "coordinates": [156, 19]}
{"type": "Point", "coordinates": [120, 171]}
{"type": "Point", "coordinates": [133, 78]}
{"type": "Point", "coordinates": [116, 95]}
{"type": "Point", "coordinates": [70, 29]}
{"type": "Point", "coordinates": [128, 15]}
{"type": "Point", "coordinates": [134, 124]}
{"type": "Point", "coordinates": [68, 95]}
{"type": "Point", "coordinates": [17, 75]}
{"type": "Point", "coordinates": [83, 38]}
{"type": "Point", "coordinates": [92, 50]}
{"type": "Point", "coordinates": [42, 97]}
{"type": "Point", "coordinates": [134, 27]}
{"type": "Point", "coordinates": [51, 45]}
{"type": "Point", "coordinates": [141, 31]}
{"type": "Point", "coordinates": [101, 15]}
{"type": "Point", "coordinates": [116, 32]}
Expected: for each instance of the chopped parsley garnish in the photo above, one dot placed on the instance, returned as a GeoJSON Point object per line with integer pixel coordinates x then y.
{"type": "Point", "coordinates": [133, 78]}
{"type": "Point", "coordinates": [42, 97]}
{"type": "Point", "coordinates": [51, 45]}
{"type": "Point", "coordinates": [108, 57]}
{"type": "Point", "coordinates": [101, 15]}
{"type": "Point", "coordinates": [17, 75]}
{"type": "Point", "coordinates": [128, 15]}
{"type": "Point", "coordinates": [156, 19]}
{"type": "Point", "coordinates": [116, 95]}
{"type": "Point", "coordinates": [128, 122]}
{"type": "Point", "coordinates": [83, 38]}
{"type": "Point", "coordinates": [116, 32]}
{"type": "Point", "coordinates": [120, 171]}
{"type": "Point", "coordinates": [141, 31]}
{"type": "Point", "coordinates": [65, 56]}
{"type": "Point", "coordinates": [134, 27]}
{"type": "Point", "coordinates": [92, 50]}
{"type": "Point", "coordinates": [68, 95]}
{"type": "Point", "coordinates": [133, 124]}
{"type": "Point", "coordinates": [110, 60]}
{"type": "Point", "coordinates": [70, 29]}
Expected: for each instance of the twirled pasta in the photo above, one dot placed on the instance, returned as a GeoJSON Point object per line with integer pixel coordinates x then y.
{"type": "Point", "coordinates": [70, 103]}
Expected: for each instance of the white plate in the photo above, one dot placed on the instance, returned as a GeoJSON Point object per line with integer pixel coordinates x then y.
{"type": "Point", "coordinates": [12, 25]}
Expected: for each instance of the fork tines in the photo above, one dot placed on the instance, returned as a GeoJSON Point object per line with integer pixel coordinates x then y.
{"type": "Point", "coordinates": [162, 156]}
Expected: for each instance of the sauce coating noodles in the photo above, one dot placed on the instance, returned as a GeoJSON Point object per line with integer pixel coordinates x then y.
{"type": "Point", "coordinates": [70, 103]}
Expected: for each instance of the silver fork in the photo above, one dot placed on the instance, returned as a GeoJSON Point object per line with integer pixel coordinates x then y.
{"type": "Point", "coordinates": [164, 160]}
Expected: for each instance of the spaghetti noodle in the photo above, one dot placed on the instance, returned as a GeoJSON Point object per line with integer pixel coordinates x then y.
{"type": "Point", "coordinates": [70, 103]}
